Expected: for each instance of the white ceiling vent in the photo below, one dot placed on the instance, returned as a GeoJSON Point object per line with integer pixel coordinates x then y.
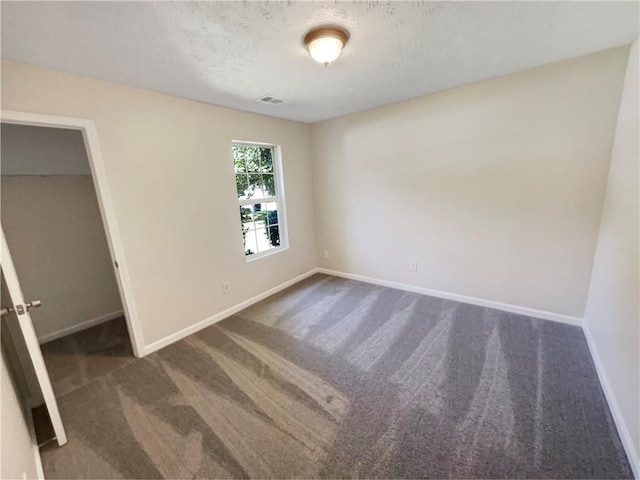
{"type": "Point", "coordinates": [270, 99]}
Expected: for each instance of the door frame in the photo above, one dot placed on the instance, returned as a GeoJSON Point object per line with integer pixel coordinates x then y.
{"type": "Point", "coordinates": [105, 203]}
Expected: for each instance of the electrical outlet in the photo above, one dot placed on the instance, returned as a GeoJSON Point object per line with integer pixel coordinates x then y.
{"type": "Point", "coordinates": [226, 287]}
{"type": "Point", "coordinates": [413, 266]}
{"type": "Point", "coordinates": [326, 254]}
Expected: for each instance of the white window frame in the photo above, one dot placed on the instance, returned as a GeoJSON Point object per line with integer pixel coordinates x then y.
{"type": "Point", "coordinates": [279, 198]}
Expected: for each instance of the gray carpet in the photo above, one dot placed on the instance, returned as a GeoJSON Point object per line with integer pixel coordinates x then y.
{"type": "Point", "coordinates": [336, 378]}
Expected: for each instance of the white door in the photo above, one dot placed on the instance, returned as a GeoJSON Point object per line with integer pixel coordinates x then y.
{"type": "Point", "coordinates": [21, 308]}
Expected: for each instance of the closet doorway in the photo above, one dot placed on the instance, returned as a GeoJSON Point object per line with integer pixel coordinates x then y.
{"type": "Point", "coordinates": [63, 246]}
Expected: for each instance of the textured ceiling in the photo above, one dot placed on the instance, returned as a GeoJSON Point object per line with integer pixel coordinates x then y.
{"type": "Point", "coordinates": [230, 53]}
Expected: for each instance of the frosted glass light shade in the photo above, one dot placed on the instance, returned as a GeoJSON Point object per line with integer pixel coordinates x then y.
{"type": "Point", "coordinates": [325, 49]}
{"type": "Point", "coordinates": [326, 43]}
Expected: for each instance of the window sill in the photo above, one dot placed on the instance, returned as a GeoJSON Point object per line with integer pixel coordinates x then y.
{"type": "Point", "coordinates": [258, 256]}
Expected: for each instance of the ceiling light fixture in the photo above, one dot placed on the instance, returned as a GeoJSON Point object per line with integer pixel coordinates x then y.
{"type": "Point", "coordinates": [326, 43]}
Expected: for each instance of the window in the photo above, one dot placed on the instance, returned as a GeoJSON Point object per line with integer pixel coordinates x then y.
{"type": "Point", "coordinates": [260, 198]}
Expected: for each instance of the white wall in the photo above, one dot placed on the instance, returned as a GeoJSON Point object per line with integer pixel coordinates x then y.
{"type": "Point", "coordinates": [495, 189]}
{"type": "Point", "coordinates": [17, 453]}
{"type": "Point", "coordinates": [58, 244]}
{"type": "Point", "coordinates": [612, 316]}
{"type": "Point", "coordinates": [169, 168]}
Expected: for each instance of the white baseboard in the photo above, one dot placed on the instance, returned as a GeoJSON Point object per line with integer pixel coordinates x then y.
{"type": "Point", "coordinates": [174, 337]}
{"type": "Point", "coordinates": [224, 314]}
{"type": "Point", "coordinates": [80, 326]}
{"type": "Point", "coordinates": [529, 312]}
{"type": "Point", "coordinates": [623, 430]}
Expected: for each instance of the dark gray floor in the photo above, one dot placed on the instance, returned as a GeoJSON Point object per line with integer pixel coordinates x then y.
{"type": "Point", "coordinates": [336, 378]}
{"type": "Point", "coordinates": [75, 360]}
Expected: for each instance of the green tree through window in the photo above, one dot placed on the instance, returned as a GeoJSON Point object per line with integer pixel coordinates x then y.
{"type": "Point", "coordinates": [258, 197]}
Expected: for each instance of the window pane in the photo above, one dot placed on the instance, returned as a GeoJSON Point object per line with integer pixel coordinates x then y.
{"type": "Point", "coordinates": [269, 182]}
{"type": "Point", "coordinates": [272, 205]}
{"type": "Point", "coordinates": [272, 213]}
{"type": "Point", "coordinates": [263, 240]}
{"type": "Point", "coordinates": [250, 243]}
{"type": "Point", "coordinates": [273, 234]}
{"type": "Point", "coordinates": [266, 160]}
{"type": "Point", "coordinates": [260, 215]}
{"type": "Point", "coordinates": [239, 162]}
{"type": "Point", "coordinates": [246, 217]}
{"type": "Point", "coordinates": [242, 185]}
{"type": "Point", "coordinates": [252, 156]}
{"type": "Point", "coordinates": [256, 186]}
{"type": "Point", "coordinates": [239, 165]}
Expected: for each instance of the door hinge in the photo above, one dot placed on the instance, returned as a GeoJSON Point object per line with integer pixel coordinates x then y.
{"type": "Point", "coordinates": [116, 264]}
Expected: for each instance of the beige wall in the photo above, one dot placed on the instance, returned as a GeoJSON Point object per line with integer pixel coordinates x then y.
{"type": "Point", "coordinates": [169, 168]}
{"type": "Point", "coordinates": [495, 189]}
{"type": "Point", "coordinates": [18, 456]}
{"type": "Point", "coordinates": [57, 241]}
{"type": "Point", "coordinates": [612, 316]}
